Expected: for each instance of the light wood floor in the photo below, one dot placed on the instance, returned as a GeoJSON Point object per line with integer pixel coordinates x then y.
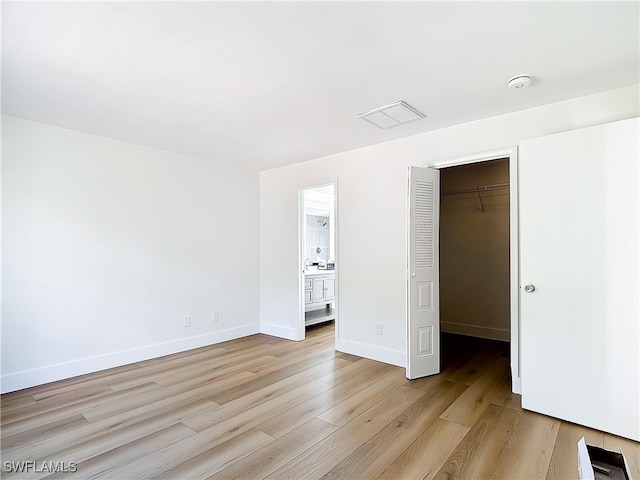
{"type": "Point", "coordinates": [261, 407]}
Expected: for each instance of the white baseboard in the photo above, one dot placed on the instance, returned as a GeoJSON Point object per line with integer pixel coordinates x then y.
{"type": "Point", "coordinates": [279, 331]}
{"type": "Point", "coordinates": [380, 354]}
{"type": "Point", "coordinates": [501, 334]}
{"type": "Point", "coordinates": [74, 368]}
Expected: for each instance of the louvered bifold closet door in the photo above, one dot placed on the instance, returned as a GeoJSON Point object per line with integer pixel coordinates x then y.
{"type": "Point", "coordinates": [423, 325]}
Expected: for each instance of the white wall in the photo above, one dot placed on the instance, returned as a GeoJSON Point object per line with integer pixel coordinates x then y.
{"type": "Point", "coordinates": [371, 202]}
{"type": "Point", "coordinates": [108, 245]}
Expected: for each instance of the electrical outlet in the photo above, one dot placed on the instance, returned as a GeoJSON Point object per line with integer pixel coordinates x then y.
{"type": "Point", "coordinates": [378, 329]}
{"type": "Point", "coordinates": [215, 316]}
{"type": "Point", "coordinates": [187, 321]}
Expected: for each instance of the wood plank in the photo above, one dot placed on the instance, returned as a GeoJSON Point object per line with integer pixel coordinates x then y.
{"type": "Point", "coordinates": [475, 454]}
{"type": "Point", "coordinates": [205, 385]}
{"type": "Point", "coordinates": [504, 443]}
{"type": "Point", "coordinates": [65, 399]}
{"type": "Point", "coordinates": [531, 443]}
{"type": "Point", "coordinates": [426, 455]}
{"type": "Point", "coordinates": [216, 366]}
{"type": "Point", "coordinates": [506, 398]}
{"type": "Point", "coordinates": [361, 367]}
{"type": "Point", "coordinates": [104, 464]}
{"type": "Point", "coordinates": [219, 457]}
{"type": "Point", "coordinates": [267, 460]}
{"type": "Point", "coordinates": [70, 395]}
{"type": "Point", "coordinates": [268, 394]}
{"type": "Point", "coordinates": [25, 437]}
{"type": "Point", "coordinates": [220, 432]}
{"type": "Point", "coordinates": [299, 368]}
{"type": "Point", "coordinates": [470, 369]}
{"type": "Point", "coordinates": [315, 406]}
{"type": "Point", "coordinates": [336, 447]}
{"type": "Point", "coordinates": [103, 377]}
{"type": "Point", "coordinates": [456, 350]}
{"type": "Point", "coordinates": [235, 418]}
{"type": "Point", "coordinates": [33, 418]}
{"type": "Point", "coordinates": [372, 457]}
{"type": "Point", "coordinates": [426, 384]}
{"type": "Point", "coordinates": [147, 420]}
{"type": "Point", "coordinates": [474, 401]}
{"type": "Point", "coordinates": [353, 406]}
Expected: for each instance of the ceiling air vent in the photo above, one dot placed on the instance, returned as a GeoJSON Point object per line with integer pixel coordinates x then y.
{"type": "Point", "coordinates": [391, 115]}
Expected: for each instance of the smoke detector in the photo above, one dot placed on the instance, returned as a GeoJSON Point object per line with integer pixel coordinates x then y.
{"type": "Point", "coordinates": [519, 81]}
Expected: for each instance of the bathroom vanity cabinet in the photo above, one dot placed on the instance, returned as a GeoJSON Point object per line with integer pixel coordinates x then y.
{"type": "Point", "coordinates": [319, 294]}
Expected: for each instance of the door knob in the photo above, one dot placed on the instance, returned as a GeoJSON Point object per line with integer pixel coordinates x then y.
{"type": "Point", "coordinates": [413, 274]}
{"type": "Point", "coordinates": [530, 288]}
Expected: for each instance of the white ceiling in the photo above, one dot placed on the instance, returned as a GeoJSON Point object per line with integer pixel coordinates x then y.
{"type": "Point", "coordinates": [264, 84]}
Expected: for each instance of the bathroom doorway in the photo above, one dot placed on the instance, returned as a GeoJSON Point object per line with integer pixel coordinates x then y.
{"type": "Point", "coordinates": [317, 257]}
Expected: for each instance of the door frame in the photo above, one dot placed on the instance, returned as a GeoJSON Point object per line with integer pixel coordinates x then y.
{"type": "Point", "coordinates": [300, 328]}
{"type": "Point", "coordinates": [514, 246]}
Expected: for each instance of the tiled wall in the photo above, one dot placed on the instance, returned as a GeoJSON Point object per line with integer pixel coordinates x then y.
{"type": "Point", "coordinates": [317, 236]}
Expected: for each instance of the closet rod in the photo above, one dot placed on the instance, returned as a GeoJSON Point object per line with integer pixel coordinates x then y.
{"type": "Point", "coordinates": [479, 189]}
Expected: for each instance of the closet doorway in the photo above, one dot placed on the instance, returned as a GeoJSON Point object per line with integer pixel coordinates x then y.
{"type": "Point", "coordinates": [475, 273]}
{"type": "Point", "coordinates": [474, 250]}
{"type": "Point", "coordinates": [466, 285]}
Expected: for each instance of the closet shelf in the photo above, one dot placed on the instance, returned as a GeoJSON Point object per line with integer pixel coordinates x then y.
{"type": "Point", "coordinates": [478, 190]}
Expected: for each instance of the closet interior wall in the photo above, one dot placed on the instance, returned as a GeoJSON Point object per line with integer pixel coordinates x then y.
{"type": "Point", "coordinates": [474, 250]}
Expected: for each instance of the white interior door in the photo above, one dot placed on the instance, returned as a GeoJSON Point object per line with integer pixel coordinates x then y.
{"type": "Point", "coordinates": [579, 254]}
{"type": "Point", "coordinates": [423, 325]}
